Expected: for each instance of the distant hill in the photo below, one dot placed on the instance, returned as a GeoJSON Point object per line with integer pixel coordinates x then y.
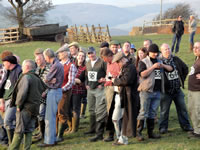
{"type": "Point", "coordinates": [120, 20]}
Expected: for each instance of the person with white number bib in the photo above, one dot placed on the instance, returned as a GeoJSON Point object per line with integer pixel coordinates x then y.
{"type": "Point", "coordinates": [95, 70]}
{"type": "Point", "coordinates": [173, 82]}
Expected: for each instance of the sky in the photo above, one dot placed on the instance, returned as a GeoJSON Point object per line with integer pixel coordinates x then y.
{"type": "Point", "coordinates": [120, 3]}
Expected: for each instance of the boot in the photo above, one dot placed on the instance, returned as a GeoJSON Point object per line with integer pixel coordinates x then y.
{"type": "Point", "coordinates": [42, 130]}
{"type": "Point", "coordinates": [140, 126]}
{"type": "Point", "coordinates": [61, 129]}
{"type": "Point", "coordinates": [110, 136]}
{"type": "Point", "coordinates": [99, 132]}
{"type": "Point", "coordinates": [10, 133]}
{"type": "Point", "coordinates": [69, 123]}
{"type": "Point", "coordinates": [16, 141]}
{"type": "Point", "coordinates": [92, 125]}
{"type": "Point", "coordinates": [75, 123]}
{"type": "Point", "coordinates": [83, 109]}
{"type": "Point", "coordinates": [191, 47]}
{"type": "Point", "coordinates": [150, 128]}
{"type": "Point", "coordinates": [27, 141]}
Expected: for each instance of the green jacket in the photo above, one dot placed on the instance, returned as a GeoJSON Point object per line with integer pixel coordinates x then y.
{"type": "Point", "coordinates": [27, 93]}
{"type": "Point", "coordinates": [93, 74]}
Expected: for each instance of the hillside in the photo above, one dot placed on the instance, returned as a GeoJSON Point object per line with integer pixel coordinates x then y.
{"type": "Point", "coordinates": [120, 20]}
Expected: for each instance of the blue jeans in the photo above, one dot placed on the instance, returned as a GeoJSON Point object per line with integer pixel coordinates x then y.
{"type": "Point", "coordinates": [149, 103]}
{"type": "Point", "coordinates": [165, 104]}
{"type": "Point", "coordinates": [53, 98]}
{"type": "Point", "coordinates": [42, 110]}
{"type": "Point", "coordinates": [10, 116]}
{"type": "Point", "coordinates": [176, 41]}
{"type": "Point", "coordinates": [192, 37]}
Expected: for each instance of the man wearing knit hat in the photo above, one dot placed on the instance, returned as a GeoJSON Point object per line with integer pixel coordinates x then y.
{"type": "Point", "coordinates": [6, 89]}
{"type": "Point", "coordinates": [151, 79]}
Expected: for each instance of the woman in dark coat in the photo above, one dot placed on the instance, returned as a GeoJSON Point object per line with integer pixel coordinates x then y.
{"type": "Point", "coordinates": [127, 83]}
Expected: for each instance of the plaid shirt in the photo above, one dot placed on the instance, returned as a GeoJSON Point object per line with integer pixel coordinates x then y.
{"type": "Point", "coordinates": [42, 74]}
{"type": "Point", "coordinates": [79, 88]}
{"type": "Point", "coordinates": [71, 76]}
{"type": "Point", "coordinates": [2, 72]}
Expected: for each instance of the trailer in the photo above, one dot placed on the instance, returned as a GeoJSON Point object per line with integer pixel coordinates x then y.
{"type": "Point", "coordinates": [47, 32]}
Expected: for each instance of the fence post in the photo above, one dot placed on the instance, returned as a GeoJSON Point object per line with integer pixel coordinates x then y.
{"type": "Point", "coordinates": [108, 33]}
{"type": "Point", "coordinates": [88, 34]}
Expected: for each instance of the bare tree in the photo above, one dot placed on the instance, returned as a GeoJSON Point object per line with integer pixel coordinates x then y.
{"type": "Point", "coordinates": [181, 9]}
{"type": "Point", "coordinates": [27, 12]}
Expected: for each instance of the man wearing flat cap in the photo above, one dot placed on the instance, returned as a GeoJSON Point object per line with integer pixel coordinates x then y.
{"type": "Point", "coordinates": [95, 70]}
{"type": "Point", "coordinates": [6, 89]}
{"type": "Point", "coordinates": [74, 48]}
{"type": "Point", "coordinates": [64, 116]}
{"type": "Point", "coordinates": [125, 87]}
{"type": "Point", "coordinates": [38, 51]}
{"type": "Point", "coordinates": [151, 85]}
{"type": "Point", "coordinates": [114, 46]}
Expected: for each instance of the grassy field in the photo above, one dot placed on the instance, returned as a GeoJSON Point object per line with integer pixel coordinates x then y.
{"type": "Point", "coordinates": [175, 139]}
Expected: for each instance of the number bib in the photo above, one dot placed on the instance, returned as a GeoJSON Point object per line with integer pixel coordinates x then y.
{"type": "Point", "coordinates": [172, 75]}
{"type": "Point", "coordinates": [192, 71]}
{"type": "Point", "coordinates": [157, 74]}
{"type": "Point", "coordinates": [92, 76]}
{"type": "Point", "coordinates": [7, 85]}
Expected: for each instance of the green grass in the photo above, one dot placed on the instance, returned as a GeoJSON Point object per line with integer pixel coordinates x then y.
{"type": "Point", "coordinates": [176, 139]}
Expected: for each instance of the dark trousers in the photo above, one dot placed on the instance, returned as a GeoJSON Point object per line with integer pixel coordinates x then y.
{"type": "Point", "coordinates": [165, 103]}
{"type": "Point", "coordinates": [176, 41]}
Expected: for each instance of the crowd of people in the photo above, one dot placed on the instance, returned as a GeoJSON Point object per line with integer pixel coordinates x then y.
{"type": "Point", "coordinates": [121, 89]}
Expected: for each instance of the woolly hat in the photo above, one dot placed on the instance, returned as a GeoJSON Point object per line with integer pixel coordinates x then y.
{"type": "Point", "coordinates": [11, 59]}
{"type": "Point", "coordinates": [153, 48]}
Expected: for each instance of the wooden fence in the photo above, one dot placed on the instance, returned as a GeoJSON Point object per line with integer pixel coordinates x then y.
{"type": "Point", "coordinates": [9, 35]}
{"type": "Point", "coordinates": [92, 35]}
{"type": "Point", "coordinates": [159, 27]}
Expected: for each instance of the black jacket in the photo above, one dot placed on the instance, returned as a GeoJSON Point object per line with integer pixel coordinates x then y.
{"type": "Point", "coordinates": [14, 75]}
{"type": "Point", "coordinates": [178, 28]}
{"type": "Point", "coordinates": [182, 69]}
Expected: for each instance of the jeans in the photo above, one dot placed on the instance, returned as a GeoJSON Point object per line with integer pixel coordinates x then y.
{"type": "Point", "coordinates": [192, 37]}
{"type": "Point", "coordinates": [10, 116]}
{"type": "Point", "coordinates": [165, 103]}
{"type": "Point", "coordinates": [149, 103]}
{"type": "Point", "coordinates": [117, 115]}
{"type": "Point", "coordinates": [194, 109]}
{"type": "Point", "coordinates": [42, 111]}
{"type": "Point", "coordinates": [53, 98]}
{"type": "Point", "coordinates": [176, 41]}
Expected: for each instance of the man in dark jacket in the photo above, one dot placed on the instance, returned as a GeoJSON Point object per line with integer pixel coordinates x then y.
{"type": "Point", "coordinates": [95, 70]}
{"type": "Point", "coordinates": [26, 97]}
{"type": "Point", "coordinates": [126, 83]}
{"type": "Point", "coordinates": [178, 30]}
{"type": "Point", "coordinates": [173, 82]}
{"type": "Point", "coordinates": [6, 88]}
